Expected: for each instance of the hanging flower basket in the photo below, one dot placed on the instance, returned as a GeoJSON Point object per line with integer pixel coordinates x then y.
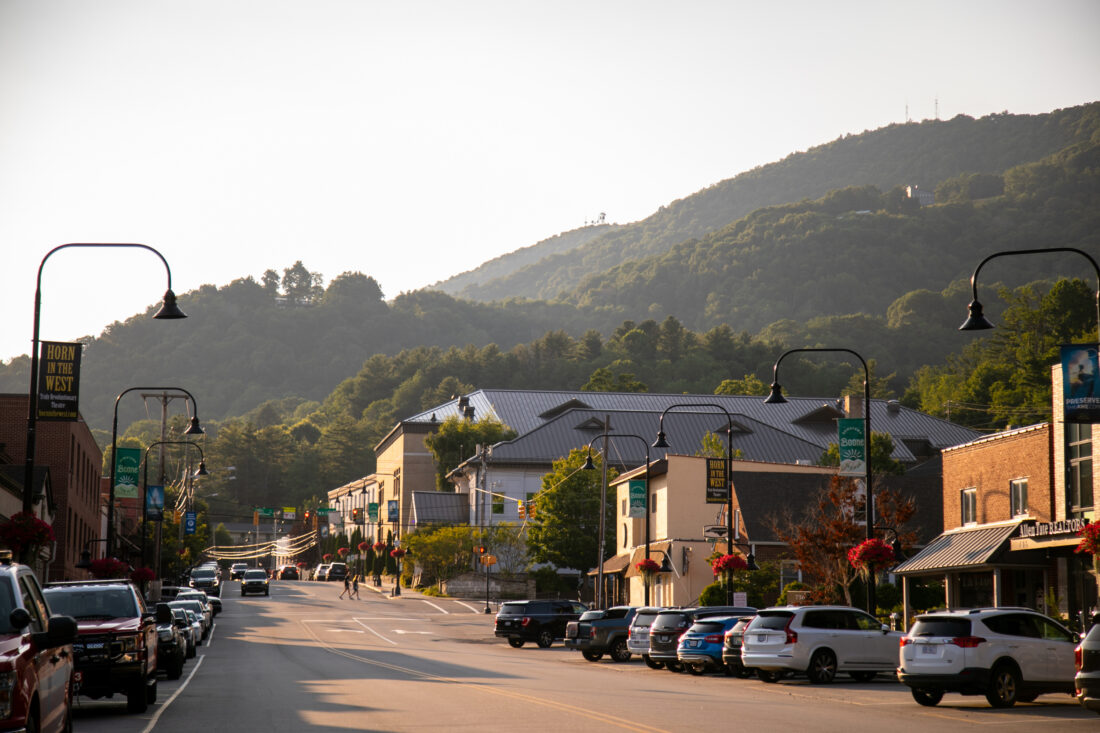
{"type": "Point", "coordinates": [648, 568]}
{"type": "Point", "coordinates": [725, 566]}
{"type": "Point", "coordinates": [363, 546]}
{"type": "Point", "coordinates": [327, 557]}
{"type": "Point", "coordinates": [871, 555]}
{"type": "Point", "coordinates": [25, 531]}
{"type": "Point", "coordinates": [379, 546]}
{"type": "Point", "coordinates": [141, 576]}
{"type": "Point", "coordinates": [343, 552]}
{"type": "Point", "coordinates": [109, 567]}
{"type": "Point", "coordinates": [397, 553]}
{"type": "Point", "coordinates": [1090, 543]}
{"type": "Point", "coordinates": [302, 564]}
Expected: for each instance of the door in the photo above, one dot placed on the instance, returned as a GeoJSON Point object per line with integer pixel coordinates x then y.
{"type": "Point", "coordinates": [1057, 654]}
{"type": "Point", "coordinates": [872, 648]}
{"type": "Point", "coordinates": [53, 670]}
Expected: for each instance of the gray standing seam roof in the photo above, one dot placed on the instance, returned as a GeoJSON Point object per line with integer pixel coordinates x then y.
{"type": "Point", "coordinates": [960, 549]}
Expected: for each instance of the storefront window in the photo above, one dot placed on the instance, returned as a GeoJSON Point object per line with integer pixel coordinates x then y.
{"type": "Point", "coordinates": [969, 503]}
{"type": "Point", "coordinates": [1017, 490]}
{"type": "Point", "coordinates": [1079, 461]}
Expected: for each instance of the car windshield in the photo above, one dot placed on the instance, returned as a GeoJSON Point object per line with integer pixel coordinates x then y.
{"type": "Point", "coordinates": [255, 575]}
{"type": "Point", "coordinates": [89, 602]}
{"type": "Point", "coordinates": [593, 615]}
{"type": "Point", "coordinates": [774, 620]}
{"type": "Point", "coordinates": [644, 619]}
{"type": "Point", "coordinates": [202, 574]}
{"type": "Point", "coordinates": [941, 626]}
{"type": "Point", "coordinates": [707, 627]}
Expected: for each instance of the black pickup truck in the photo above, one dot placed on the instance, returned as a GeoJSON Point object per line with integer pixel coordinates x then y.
{"type": "Point", "coordinates": [601, 632]}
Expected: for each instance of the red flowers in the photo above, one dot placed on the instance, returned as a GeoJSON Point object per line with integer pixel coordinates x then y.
{"type": "Point", "coordinates": [379, 546]}
{"type": "Point", "coordinates": [727, 565]}
{"type": "Point", "coordinates": [343, 551]}
{"type": "Point", "coordinates": [362, 546]}
{"type": "Point", "coordinates": [303, 564]}
{"type": "Point", "coordinates": [25, 530]}
{"type": "Point", "coordinates": [327, 557]}
{"type": "Point", "coordinates": [1090, 539]}
{"type": "Point", "coordinates": [870, 555]}
{"type": "Point", "coordinates": [648, 566]}
{"type": "Point", "coordinates": [109, 567]}
{"type": "Point", "coordinates": [397, 552]}
{"type": "Point", "coordinates": [141, 576]}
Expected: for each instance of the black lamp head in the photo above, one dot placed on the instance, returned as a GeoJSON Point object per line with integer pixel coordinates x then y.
{"type": "Point", "coordinates": [666, 565]}
{"type": "Point", "coordinates": [776, 396]}
{"type": "Point", "coordinates": [85, 561]}
{"type": "Point", "coordinates": [194, 428]}
{"type": "Point", "coordinates": [660, 442]}
{"type": "Point", "coordinates": [976, 321]}
{"type": "Point", "coordinates": [169, 310]}
{"type": "Point", "coordinates": [588, 464]}
{"type": "Point", "coordinates": [899, 556]}
{"type": "Point", "coordinates": [750, 561]}
{"type": "Point", "coordinates": [202, 470]}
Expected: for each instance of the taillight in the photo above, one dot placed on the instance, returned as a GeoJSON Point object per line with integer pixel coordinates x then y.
{"type": "Point", "coordinates": [592, 633]}
{"type": "Point", "coordinates": [1078, 657]}
{"type": "Point", "coordinates": [713, 638]}
{"type": "Point", "coordinates": [792, 636]}
{"type": "Point", "coordinates": [630, 632]}
{"type": "Point", "coordinates": [904, 640]}
{"type": "Point", "coordinates": [526, 620]}
{"type": "Point", "coordinates": [967, 642]}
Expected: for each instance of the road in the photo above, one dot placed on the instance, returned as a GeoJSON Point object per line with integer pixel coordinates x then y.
{"type": "Point", "coordinates": [305, 660]}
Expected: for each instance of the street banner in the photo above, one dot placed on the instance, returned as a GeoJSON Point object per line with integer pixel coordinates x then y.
{"type": "Point", "coordinates": [391, 510]}
{"type": "Point", "coordinates": [154, 503]}
{"type": "Point", "coordinates": [853, 447]}
{"type": "Point", "coordinates": [718, 484]}
{"type": "Point", "coordinates": [127, 463]}
{"type": "Point", "coordinates": [637, 498]}
{"type": "Point", "coordinates": [290, 512]}
{"type": "Point", "coordinates": [372, 511]}
{"type": "Point", "coordinates": [190, 522]}
{"type": "Point", "coordinates": [1080, 391]}
{"type": "Point", "coordinates": [59, 381]}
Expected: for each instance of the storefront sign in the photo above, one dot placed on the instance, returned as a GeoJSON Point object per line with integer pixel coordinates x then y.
{"type": "Point", "coordinates": [1080, 391]}
{"type": "Point", "coordinates": [59, 381]}
{"type": "Point", "coordinates": [853, 447]}
{"type": "Point", "coordinates": [637, 499]}
{"type": "Point", "coordinates": [718, 485]}
{"type": "Point", "coordinates": [1046, 529]}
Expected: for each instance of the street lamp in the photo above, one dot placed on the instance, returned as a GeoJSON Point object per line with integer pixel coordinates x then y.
{"type": "Point", "coordinates": [976, 321]}
{"type": "Point", "coordinates": [145, 483]}
{"type": "Point", "coordinates": [776, 397]}
{"type": "Point", "coordinates": [193, 428]}
{"type": "Point", "coordinates": [590, 466]}
{"type": "Point", "coordinates": [661, 442]}
{"type": "Point", "coordinates": [168, 310]}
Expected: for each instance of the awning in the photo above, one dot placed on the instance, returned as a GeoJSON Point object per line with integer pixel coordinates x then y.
{"type": "Point", "coordinates": [625, 562]}
{"type": "Point", "coordinates": [967, 548]}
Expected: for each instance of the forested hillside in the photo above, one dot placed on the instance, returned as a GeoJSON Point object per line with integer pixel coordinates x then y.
{"type": "Point", "coordinates": [923, 154]}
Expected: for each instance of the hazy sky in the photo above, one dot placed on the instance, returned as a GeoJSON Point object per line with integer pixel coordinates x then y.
{"type": "Point", "coordinates": [411, 140]}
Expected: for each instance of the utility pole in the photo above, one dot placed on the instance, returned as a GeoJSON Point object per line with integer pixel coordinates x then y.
{"type": "Point", "coordinates": [603, 503]}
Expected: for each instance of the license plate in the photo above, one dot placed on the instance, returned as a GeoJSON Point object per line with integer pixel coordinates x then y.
{"type": "Point", "coordinates": [761, 638]}
{"type": "Point", "coordinates": [927, 649]}
{"type": "Point", "coordinates": [691, 644]}
{"type": "Point", "coordinates": [94, 645]}
{"type": "Point", "coordinates": [663, 638]}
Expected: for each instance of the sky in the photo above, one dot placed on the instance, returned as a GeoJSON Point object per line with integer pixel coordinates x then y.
{"type": "Point", "coordinates": [412, 140]}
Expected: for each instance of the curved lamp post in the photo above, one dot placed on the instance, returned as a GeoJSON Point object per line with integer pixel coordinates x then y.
{"type": "Point", "coordinates": [590, 466]}
{"type": "Point", "coordinates": [145, 483]}
{"type": "Point", "coordinates": [168, 310]}
{"type": "Point", "coordinates": [192, 429]}
{"type": "Point", "coordinates": [976, 320]}
{"type": "Point", "coordinates": [662, 442]}
{"type": "Point", "coordinates": [776, 397]}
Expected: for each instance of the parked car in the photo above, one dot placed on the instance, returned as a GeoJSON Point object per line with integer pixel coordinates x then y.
{"type": "Point", "coordinates": [201, 609]}
{"type": "Point", "coordinates": [539, 621]}
{"type": "Point", "coordinates": [36, 659]}
{"type": "Point", "coordinates": [116, 646]}
{"type": "Point", "coordinates": [206, 579]}
{"type": "Point", "coordinates": [213, 602]}
{"type": "Point", "coordinates": [337, 571]}
{"type": "Point", "coordinates": [187, 631]}
{"type": "Point", "coordinates": [321, 573]}
{"type": "Point", "coordinates": [288, 572]}
{"type": "Point", "coordinates": [820, 642]}
{"type": "Point", "coordinates": [597, 633]}
{"type": "Point", "coordinates": [171, 646]}
{"type": "Point", "coordinates": [196, 627]}
{"type": "Point", "coordinates": [255, 581]}
{"type": "Point", "coordinates": [236, 570]}
{"type": "Point", "coordinates": [1086, 658]}
{"type": "Point", "coordinates": [700, 647]}
{"type": "Point", "coordinates": [637, 640]}
{"type": "Point", "coordinates": [664, 633]}
{"type": "Point", "coordinates": [1009, 655]}
{"type": "Point", "coordinates": [731, 649]}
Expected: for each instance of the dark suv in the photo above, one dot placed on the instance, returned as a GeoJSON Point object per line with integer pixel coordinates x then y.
{"type": "Point", "coordinates": [116, 649]}
{"type": "Point", "coordinates": [36, 660]}
{"type": "Point", "coordinates": [537, 621]}
{"type": "Point", "coordinates": [207, 580]}
{"type": "Point", "coordinates": [664, 634]}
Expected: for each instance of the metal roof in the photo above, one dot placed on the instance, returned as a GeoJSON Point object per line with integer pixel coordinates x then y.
{"type": "Point", "coordinates": [968, 548]}
{"type": "Point", "coordinates": [437, 507]}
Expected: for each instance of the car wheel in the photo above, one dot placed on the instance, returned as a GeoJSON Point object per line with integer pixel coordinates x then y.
{"type": "Point", "coordinates": [515, 643]}
{"type": "Point", "coordinates": [927, 698]}
{"type": "Point", "coordinates": [31, 724]}
{"type": "Point", "coordinates": [863, 676]}
{"type": "Point", "coordinates": [674, 666]}
{"type": "Point", "coordinates": [151, 693]}
{"type": "Point", "coordinates": [822, 669]}
{"type": "Point", "coordinates": [545, 639]}
{"type": "Point", "coordinates": [768, 676]}
{"type": "Point", "coordinates": [697, 668]}
{"type": "Point", "coordinates": [619, 651]}
{"type": "Point", "coordinates": [176, 670]}
{"type": "Point", "coordinates": [136, 700]}
{"type": "Point", "coordinates": [1004, 686]}
{"type": "Point", "coordinates": [592, 656]}
{"type": "Point", "coordinates": [651, 662]}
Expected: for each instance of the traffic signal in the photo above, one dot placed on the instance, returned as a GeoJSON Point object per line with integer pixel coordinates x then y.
{"type": "Point", "coordinates": [356, 515]}
{"type": "Point", "coordinates": [308, 515]}
{"type": "Point", "coordinates": [481, 549]}
{"type": "Point", "coordinates": [522, 510]}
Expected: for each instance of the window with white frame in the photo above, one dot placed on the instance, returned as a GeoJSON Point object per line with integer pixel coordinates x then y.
{"type": "Point", "coordinates": [968, 501]}
{"type": "Point", "coordinates": [1017, 496]}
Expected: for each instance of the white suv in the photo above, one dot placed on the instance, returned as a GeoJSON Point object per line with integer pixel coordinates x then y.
{"type": "Point", "coordinates": [1006, 654]}
{"type": "Point", "coordinates": [819, 641]}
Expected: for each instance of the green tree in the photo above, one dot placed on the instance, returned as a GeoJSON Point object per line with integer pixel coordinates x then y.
{"type": "Point", "coordinates": [300, 285]}
{"type": "Point", "coordinates": [457, 439]}
{"type": "Point", "coordinates": [749, 384]}
{"type": "Point", "coordinates": [713, 445]}
{"type": "Point", "coordinates": [603, 380]}
{"type": "Point", "coordinates": [222, 537]}
{"type": "Point", "coordinates": [565, 528]}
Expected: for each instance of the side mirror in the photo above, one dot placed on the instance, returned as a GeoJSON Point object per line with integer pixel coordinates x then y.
{"type": "Point", "coordinates": [886, 628]}
{"type": "Point", "coordinates": [60, 631]}
{"type": "Point", "coordinates": [19, 619]}
{"type": "Point", "coordinates": [164, 613]}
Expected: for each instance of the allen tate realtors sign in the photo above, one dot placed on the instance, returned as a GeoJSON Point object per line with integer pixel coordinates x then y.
{"type": "Point", "coordinates": [1046, 529]}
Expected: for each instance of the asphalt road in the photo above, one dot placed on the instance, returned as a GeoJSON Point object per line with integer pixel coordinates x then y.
{"type": "Point", "coordinates": [305, 660]}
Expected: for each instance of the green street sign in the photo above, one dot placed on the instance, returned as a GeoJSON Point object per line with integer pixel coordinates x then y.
{"type": "Point", "coordinates": [372, 511]}
{"type": "Point", "coordinates": [324, 510]}
{"type": "Point", "coordinates": [127, 463]}
{"type": "Point", "coordinates": [266, 511]}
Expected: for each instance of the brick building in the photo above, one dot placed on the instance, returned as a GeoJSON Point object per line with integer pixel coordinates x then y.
{"type": "Point", "coordinates": [73, 463]}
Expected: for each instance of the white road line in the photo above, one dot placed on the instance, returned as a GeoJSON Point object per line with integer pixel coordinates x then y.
{"type": "Point", "coordinates": [391, 641]}
{"type": "Point", "coordinates": [210, 637]}
{"type": "Point", "coordinates": [162, 708]}
{"type": "Point", "coordinates": [467, 605]}
{"type": "Point", "coordinates": [433, 605]}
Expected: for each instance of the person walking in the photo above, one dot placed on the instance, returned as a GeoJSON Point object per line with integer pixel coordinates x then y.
{"type": "Point", "coordinates": [347, 587]}
{"type": "Point", "coordinates": [355, 586]}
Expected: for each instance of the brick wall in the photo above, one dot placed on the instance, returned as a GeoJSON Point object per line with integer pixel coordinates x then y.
{"type": "Point", "coordinates": [990, 464]}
